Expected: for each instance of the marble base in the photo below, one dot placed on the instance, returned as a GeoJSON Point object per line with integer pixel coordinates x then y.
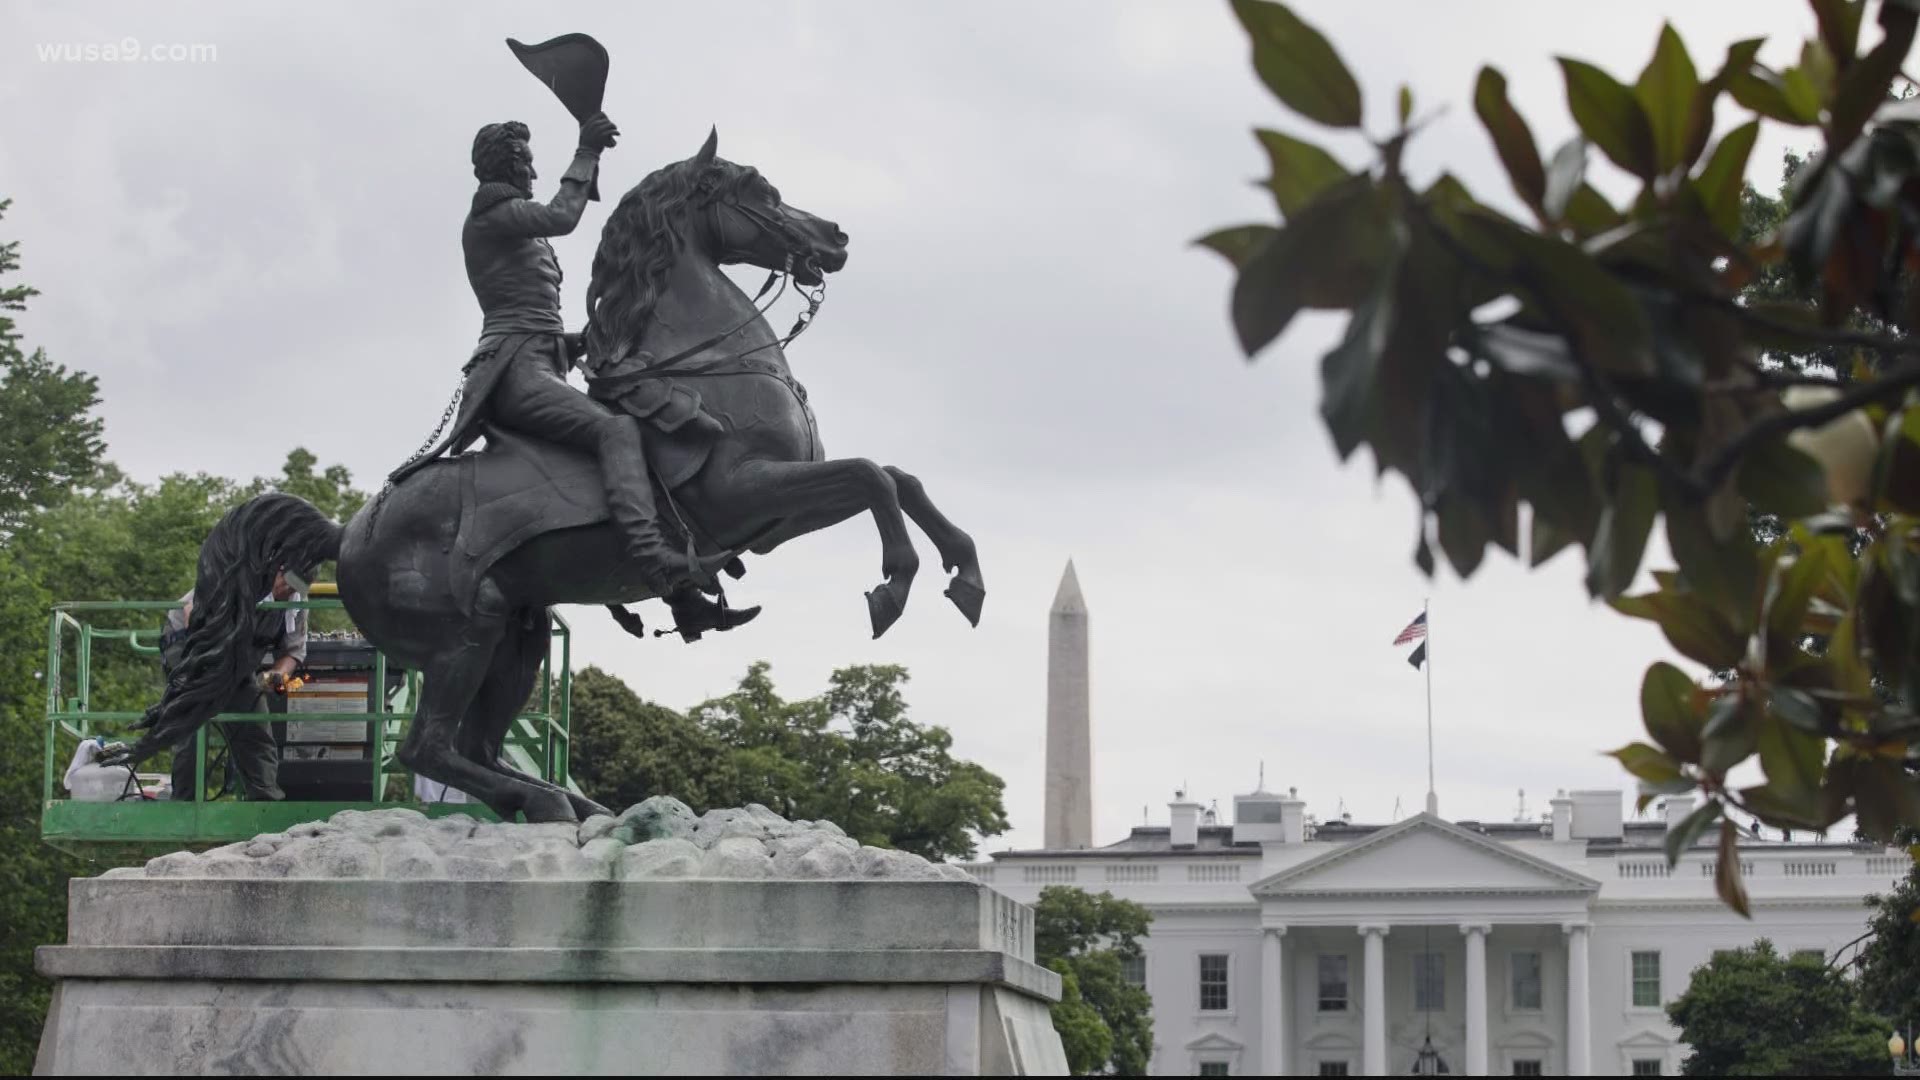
{"type": "Point", "coordinates": [637, 977]}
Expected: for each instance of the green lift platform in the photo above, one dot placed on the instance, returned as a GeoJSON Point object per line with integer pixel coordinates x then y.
{"type": "Point", "coordinates": [136, 826]}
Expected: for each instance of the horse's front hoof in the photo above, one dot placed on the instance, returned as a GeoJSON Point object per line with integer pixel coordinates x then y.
{"type": "Point", "coordinates": [545, 805]}
{"type": "Point", "coordinates": [584, 808]}
{"type": "Point", "coordinates": [883, 608]}
{"type": "Point", "coordinates": [967, 596]}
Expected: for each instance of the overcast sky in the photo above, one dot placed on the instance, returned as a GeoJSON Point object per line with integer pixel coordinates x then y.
{"type": "Point", "coordinates": [261, 250]}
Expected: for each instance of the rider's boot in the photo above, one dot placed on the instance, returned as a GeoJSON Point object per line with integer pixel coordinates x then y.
{"type": "Point", "coordinates": [666, 572]}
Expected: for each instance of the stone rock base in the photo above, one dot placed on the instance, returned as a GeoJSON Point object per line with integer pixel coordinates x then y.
{"type": "Point", "coordinates": [523, 962]}
{"type": "Point", "coordinates": [198, 1027]}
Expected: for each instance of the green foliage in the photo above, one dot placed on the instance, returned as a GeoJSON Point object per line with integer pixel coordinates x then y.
{"type": "Point", "coordinates": [73, 528]}
{"type": "Point", "coordinates": [851, 756]}
{"type": "Point", "coordinates": [49, 438]}
{"type": "Point", "coordinates": [1731, 366]}
{"type": "Point", "coordinates": [1752, 1012]}
{"type": "Point", "coordinates": [1889, 963]}
{"type": "Point", "coordinates": [1087, 938]}
{"type": "Point", "coordinates": [1084, 1036]}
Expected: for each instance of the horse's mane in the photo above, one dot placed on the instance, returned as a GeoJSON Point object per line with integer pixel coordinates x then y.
{"type": "Point", "coordinates": [642, 239]}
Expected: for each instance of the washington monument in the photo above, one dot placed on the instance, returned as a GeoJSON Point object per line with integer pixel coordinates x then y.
{"type": "Point", "coordinates": [1069, 819]}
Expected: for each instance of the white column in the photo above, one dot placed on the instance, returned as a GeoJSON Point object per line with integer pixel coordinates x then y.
{"type": "Point", "coordinates": [1273, 1002]}
{"type": "Point", "coordinates": [1476, 999]}
{"type": "Point", "coordinates": [1373, 1013]}
{"type": "Point", "coordinates": [1579, 1006]}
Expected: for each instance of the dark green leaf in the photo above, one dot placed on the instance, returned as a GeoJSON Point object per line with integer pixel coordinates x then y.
{"type": "Point", "coordinates": [1512, 139]}
{"type": "Point", "coordinates": [1463, 535]}
{"type": "Point", "coordinates": [1727, 875]}
{"type": "Point", "coordinates": [1719, 181]}
{"type": "Point", "coordinates": [1238, 244]}
{"type": "Point", "coordinates": [1725, 573]}
{"type": "Point", "coordinates": [1610, 116]}
{"type": "Point", "coordinates": [1839, 28]}
{"type": "Point", "coordinates": [1328, 256]}
{"type": "Point", "coordinates": [1590, 213]}
{"type": "Point", "coordinates": [1666, 93]}
{"type": "Point", "coordinates": [1682, 836]}
{"type": "Point", "coordinates": [1667, 707]}
{"type": "Point", "coordinates": [1577, 294]}
{"type": "Point", "coordinates": [1793, 760]}
{"type": "Point", "coordinates": [1731, 735]}
{"type": "Point", "coordinates": [1546, 541]}
{"type": "Point", "coordinates": [1885, 797]}
{"type": "Point", "coordinates": [1621, 538]}
{"type": "Point", "coordinates": [1796, 585]}
{"type": "Point", "coordinates": [1690, 625]}
{"type": "Point", "coordinates": [1761, 800]}
{"type": "Point", "coordinates": [1301, 170]}
{"type": "Point", "coordinates": [1797, 707]}
{"type": "Point", "coordinates": [1650, 764]}
{"type": "Point", "coordinates": [1778, 479]}
{"type": "Point", "coordinates": [1865, 86]}
{"type": "Point", "coordinates": [1298, 65]}
{"type": "Point", "coordinates": [1347, 373]}
{"type": "Point", "coordinates": [1766, 92]}
{"type": "Point", "coordinates": [1406, 104]}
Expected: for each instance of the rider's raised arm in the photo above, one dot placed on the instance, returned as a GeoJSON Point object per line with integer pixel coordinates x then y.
{"type": "Point", "coordinates": [558, 217]}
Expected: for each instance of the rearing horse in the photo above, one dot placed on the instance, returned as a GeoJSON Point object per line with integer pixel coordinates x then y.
{"type": "Point", "coordinates": [452, 572]}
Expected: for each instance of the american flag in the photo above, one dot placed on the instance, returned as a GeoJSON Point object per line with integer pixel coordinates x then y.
{"type": "Point", "coordinates": [1415, 630]}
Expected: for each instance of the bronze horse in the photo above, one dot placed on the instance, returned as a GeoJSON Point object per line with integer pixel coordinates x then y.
{"type": "Point", "coordinates": [451, 573]}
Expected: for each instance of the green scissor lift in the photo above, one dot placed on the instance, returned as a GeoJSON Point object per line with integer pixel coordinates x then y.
{"type": "Point", "coordinates": [538, 742]}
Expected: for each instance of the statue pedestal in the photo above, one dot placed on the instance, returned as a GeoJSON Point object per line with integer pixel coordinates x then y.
{"type": "Point", "coordinates": [212, 964]}
{"type": "Point", "coordinates": [637, 978]}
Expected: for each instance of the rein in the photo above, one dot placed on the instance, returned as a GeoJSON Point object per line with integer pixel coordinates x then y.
{"type": "Point", "coordinates": [814, 297]}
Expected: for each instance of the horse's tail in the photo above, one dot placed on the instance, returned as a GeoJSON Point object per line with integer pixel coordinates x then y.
{"type": "Point", "coordinates": [238, 561]}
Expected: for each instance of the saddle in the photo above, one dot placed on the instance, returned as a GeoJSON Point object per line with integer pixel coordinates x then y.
{"type": "Point", "coordinates": [518, 488]}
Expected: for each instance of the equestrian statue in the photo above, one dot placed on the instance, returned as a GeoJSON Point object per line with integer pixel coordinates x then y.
{"type": "Point", "coordinates": [692, 446]}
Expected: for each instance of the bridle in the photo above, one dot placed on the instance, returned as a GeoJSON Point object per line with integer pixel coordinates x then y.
{"type": "Point", "coordinates": [814, 296]}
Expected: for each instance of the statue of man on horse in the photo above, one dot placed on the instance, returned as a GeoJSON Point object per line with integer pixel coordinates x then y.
{"type": "Point", "coordinates": [517, 376]}
{"type": "Point", "coordinates": [691, 406]}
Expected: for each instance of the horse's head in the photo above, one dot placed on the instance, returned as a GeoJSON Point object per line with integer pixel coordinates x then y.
{"type": "Point", "coordinates": [744, 221]}
{"type": "Point", "coordinates": [729, 213]}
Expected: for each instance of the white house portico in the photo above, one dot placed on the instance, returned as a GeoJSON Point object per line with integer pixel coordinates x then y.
{"type": "Point", "coordinates": [1422, 888]}
{"type": "Point", "coordinates": [1542, 947]}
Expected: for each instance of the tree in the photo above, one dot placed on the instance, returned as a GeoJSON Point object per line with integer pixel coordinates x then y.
{"type": "Point", "coordinates": [851, 756]}
{"type": "Point", "coordinates": [1753, 1012]}
{"type": "Point", "coordinates": [1088, 939]}
{"type": "Point", "coordinates": [49, 438]}
{"type": "Point", "coordinates": [119, 541]}
{"type": "Point", "coordinates": [1608, 367]}
{"type": "Point", "coordinates": [1889, 963]}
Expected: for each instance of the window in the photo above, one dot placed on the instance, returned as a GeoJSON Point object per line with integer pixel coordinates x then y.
{"type": "Point", "coordinates": [1134, 970]}
{"type": "Point", "coordinates": [1429, 982]}
{"type": "Point", "coordinates": [1215, 1068]}
{"type": "Point", "coordinates": [1333, 1068]}
{"type": "Point", "coordinates": [1333, 983]}
{"type": "Point", "coordinates": [1528, 1066]}
{"type": "Point", "coordinates": [1213, 982]}
{"type": "Point", "coordinates": [1647, 1066]}
{"type": "Point", "coordinates": [1524, 990]}
{"type": "Point", "coordinates": [1646, 982]}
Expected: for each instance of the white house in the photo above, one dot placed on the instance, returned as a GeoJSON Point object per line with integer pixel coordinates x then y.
{"type": "Point", "coordinates": [1522, 948]}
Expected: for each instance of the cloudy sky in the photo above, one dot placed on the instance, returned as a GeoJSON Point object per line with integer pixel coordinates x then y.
{"type": "Point", "coordinates": [260, 250]}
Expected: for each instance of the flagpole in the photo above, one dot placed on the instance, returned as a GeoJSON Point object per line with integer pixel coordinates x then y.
{"type": "Point", "coordinates": [1433, 800]}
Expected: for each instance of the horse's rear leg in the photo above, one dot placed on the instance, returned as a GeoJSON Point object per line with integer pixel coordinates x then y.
{"type": "Point", "coordinates": [967, 590]}
{"type": "Point", "coordinates": [509, 682]}
{"type": "Point", "coordinates": [452, 679]}
{"type": "Point", "coordinates": [810, 496]}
